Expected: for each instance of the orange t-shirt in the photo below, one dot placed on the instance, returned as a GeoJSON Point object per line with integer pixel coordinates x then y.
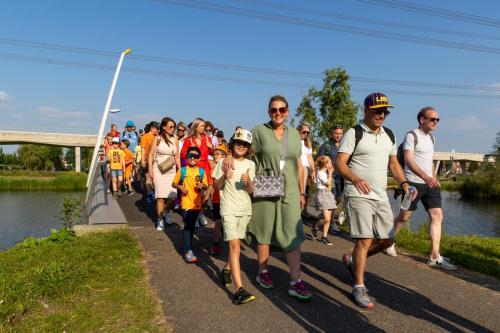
{"type": "Point", "coordinates": [146, 141]}
{"type": "Point", "coordinates": [129, 157]}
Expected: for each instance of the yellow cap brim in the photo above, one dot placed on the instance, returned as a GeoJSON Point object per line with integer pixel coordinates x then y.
{"type": "Point", "coordinates": [381, 106]}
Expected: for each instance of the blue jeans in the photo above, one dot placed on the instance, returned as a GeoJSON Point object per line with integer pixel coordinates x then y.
{"type": "Point", "coordinates": [189, 217]}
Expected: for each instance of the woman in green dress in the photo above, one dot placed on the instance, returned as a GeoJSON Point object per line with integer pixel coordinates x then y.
{"type": "Point", "coordinates": [276, 222]}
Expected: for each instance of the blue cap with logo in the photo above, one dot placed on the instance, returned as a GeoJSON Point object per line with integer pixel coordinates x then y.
{"type": "Point", "coordinates": [376, 101]}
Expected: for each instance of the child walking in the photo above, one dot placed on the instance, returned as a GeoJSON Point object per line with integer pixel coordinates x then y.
{"type": "Point", "coordinates": [129, 165]}
{"type": "Point", "coordinates": [236, 209]}
{"type": "Point", "coordinates": [191, 180]}
{"type": "Point", "coordinates": [325, 201]}
{"type": "Point", "coordinates": [116, 158]}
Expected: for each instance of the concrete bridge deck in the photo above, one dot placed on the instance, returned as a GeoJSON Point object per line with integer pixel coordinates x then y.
{"type": "Point", "coordinates": [409, 296]}
{"type": "Point", "coordinates": [54, 139]}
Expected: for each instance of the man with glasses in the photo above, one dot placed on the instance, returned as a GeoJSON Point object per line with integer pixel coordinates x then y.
{"type": "Point", "coordinates": [418, 147]}
{"type": "Point", "coordinates": [365, 152]}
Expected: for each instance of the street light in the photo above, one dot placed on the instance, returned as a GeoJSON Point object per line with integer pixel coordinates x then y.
{"type": "Point", "coordinates": [114, 110]}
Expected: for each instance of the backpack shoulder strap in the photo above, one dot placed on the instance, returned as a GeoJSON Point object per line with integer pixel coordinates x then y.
{"type": "Point", "coordinates": [432, 138]}
{"type": "Point", "coordinates": [390, 133]}
{"type": "Point", "coordinates": [415, 138]}
{"type": "Point", "coordinates": [358, 135]}
{"type": "Point", "coordinates": [201, 171]}
{"type": "Point", "coordinates": [183, 175]}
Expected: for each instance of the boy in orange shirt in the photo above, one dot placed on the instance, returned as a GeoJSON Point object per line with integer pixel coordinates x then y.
{"type": "Point", "coordinates": [116, 158]}
{"type": "Point", "coordinates": [129, 164]}
{"type": "Point", "coordinates": [191, 181]}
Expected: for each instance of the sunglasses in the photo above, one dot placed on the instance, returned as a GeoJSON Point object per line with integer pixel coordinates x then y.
{"type": "Point", "coordinates": [338, 127]}
{"type": "Point", "coordinates": [195, 156]}
{"type": "Point", "coordinates": [434, 120]}
{"type": "Point", "coordinates": [304, 132]}
{"type": "Point", "coordinates": [241, 143]}
{"type": "Point", "coordinates": [181, 130]}
{"type": "Point", "coordinates": [379, 112]}
{"type": "Point", "coordinates": [280, 110]}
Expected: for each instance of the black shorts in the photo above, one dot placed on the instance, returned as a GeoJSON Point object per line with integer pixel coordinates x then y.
{"type": "Point", "coordinates": [216, 211]}
{"type": "Point", "coordinates": [430, 197]}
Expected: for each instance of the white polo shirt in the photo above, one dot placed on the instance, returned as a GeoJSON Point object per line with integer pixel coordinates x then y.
{"type": "Point", "coordinates": [369, 162]}
{"type": "Point", "coordinates": [423, 154]}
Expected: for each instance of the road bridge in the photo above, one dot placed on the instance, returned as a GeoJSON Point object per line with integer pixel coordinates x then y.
{"type": "Point", "coordinates": [53, 139]}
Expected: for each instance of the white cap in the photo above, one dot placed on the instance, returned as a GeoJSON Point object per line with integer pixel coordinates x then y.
{"type": "Point", "coordinates": [115, 140]}
{"type": "Point", "coordinates": [243, 135]}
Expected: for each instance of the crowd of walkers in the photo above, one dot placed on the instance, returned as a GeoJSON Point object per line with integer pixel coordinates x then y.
{"type": "Point", "coordinates": [192, 168]}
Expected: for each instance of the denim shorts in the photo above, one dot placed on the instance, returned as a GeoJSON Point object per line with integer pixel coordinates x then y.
{"type": "Point", "coordinates": [116, 173]}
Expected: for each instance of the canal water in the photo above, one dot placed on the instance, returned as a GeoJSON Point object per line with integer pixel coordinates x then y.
{"type": "Point", "coordinates": [24, 214]}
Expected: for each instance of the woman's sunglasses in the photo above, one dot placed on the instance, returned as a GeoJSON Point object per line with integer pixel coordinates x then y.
{"type": "Point", "coordinates": [305, 132]}
{"type": "Point", "coordinates": [280, 110]}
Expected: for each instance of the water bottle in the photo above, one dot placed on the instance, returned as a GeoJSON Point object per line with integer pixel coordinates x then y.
{"type": "Point", "coordinates": [406, 202]}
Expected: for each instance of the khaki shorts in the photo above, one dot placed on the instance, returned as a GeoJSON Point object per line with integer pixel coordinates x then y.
{"type": "Point", "coordinates": [235, 227]}
{"type": "Point", "coordinates": [370, 218]}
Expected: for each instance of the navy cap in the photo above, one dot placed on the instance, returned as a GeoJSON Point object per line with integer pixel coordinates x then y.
{"type": "Point", "coordinates": [376, 101]}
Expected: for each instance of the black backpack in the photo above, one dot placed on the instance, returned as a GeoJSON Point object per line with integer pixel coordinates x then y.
{"type": "Point", "coordinates": [401, 152]}
{"type": "Point", "coordinates": [358, 135]}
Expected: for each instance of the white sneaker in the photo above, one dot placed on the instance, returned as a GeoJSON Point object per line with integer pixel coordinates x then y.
{"type": "Point", "coordinates": [335, 228]}
{"type": "Point", "coordinates": [159, 225]}
{"type": "Point", "coordinates": [443, 263]}
{"type": "Point", "coordinates": [391, 251]}
{"type": "Point", "coordinates": [202, 220]}
{"type": "Point", "coordinates": [168, 219]}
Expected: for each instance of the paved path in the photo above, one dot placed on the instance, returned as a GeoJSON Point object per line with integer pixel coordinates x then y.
{"type": "Point", "coordinates": [409, 296]}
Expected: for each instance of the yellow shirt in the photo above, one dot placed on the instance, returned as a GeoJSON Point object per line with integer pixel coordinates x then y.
{"type": "Point", "coordinates": [193, 199]}
{"type": "Point", "coordinates": [116, 158]}
{"type": "Point", "coordinates": [138, 154]}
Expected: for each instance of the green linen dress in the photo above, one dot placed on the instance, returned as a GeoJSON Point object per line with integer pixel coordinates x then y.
{"type": "Point", "coordinates": [277, 221]}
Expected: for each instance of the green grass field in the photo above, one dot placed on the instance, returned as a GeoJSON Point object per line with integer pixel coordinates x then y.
{"type": "Point", "coordinates": [88, 284]}
{"type": "Point", "coordinates": [42, 181]}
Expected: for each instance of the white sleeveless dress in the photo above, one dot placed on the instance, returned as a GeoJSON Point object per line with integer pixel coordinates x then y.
{"type": "Point", "coordinates": [163, 182]}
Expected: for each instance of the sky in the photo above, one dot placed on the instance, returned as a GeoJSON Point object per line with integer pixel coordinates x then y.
{"type": "Point", "coordinates": [43, 89]}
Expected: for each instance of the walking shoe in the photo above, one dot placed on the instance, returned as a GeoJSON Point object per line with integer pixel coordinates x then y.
{"type": "Point", "coordinates": [264, 280]}
{"type": "Point", "coordinates": [391, 251]}
{"type": "Point", "coordinates": [326, 241]}
{"type": "Point", "coordinates": [168, 219]}
{"type": "Point", "coordinates": [225, 277]}
{"type": "Point", "coordinates": [202, 220]}
{"type": "Point", "coordinates": [115, 195]}
{"type": "Point", "coordinates": [159, 225]}
{"type": "Point", "coordinates": [299, 291]}
{"type": "Point", "coordinates": [215, 250]}
{"type": "Point", "coordinates": [242, 296]}
{"type": "Point", "coordinates": [314, 232]}
{"type": "Point", "coordinates": [361, 298]}
{"type": "Point", "coordinates": [130, 193]}
{"type": "Point", "coordinates": [347, 260]}
{"type": "Point", "coordinates": [150, 198]}
{"type": "Point", "coordinates": [190, 258]}
{"type": "Point", "coordinates": [335, 228]}
{"type": "Point", "coordinates": [120, 193]}
{"type": "Point", "coordinates": [443, 263]}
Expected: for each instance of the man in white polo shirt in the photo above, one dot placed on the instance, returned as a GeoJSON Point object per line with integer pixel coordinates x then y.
{"type": "Point", "coordinates": [418, 149]}
{"type": "Point", "coordinates": [365, 153]}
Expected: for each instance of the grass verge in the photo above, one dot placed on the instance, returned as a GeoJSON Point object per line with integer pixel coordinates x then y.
{"type": "Point", "coordinates": [44, 181]}
{"type": "Point", "coordinates": [87, 284]}
{"type": "Point", "coordinates": [481, 254]}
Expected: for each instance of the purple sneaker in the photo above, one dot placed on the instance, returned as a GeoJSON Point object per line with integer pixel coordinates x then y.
{"type": "Point", "coordinates": [264, 280]}
{"type": "Point", "coordinates": [300, 291]}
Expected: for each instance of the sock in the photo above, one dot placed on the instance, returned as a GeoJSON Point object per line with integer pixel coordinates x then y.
{"type": "Point", "coordinates": [358, 285]}
{"type": "Point", "coordinates": [292, 283]}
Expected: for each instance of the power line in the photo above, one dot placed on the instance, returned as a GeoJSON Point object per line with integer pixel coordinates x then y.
{"type": "Point", "coordinates": [267, 16]}
{"type": "Point", "coordinates": [366, 20]}
{"type": "Point", "coordinates": [239, 68]}
{"type": "Point", "coordinates": [434, 11]}
{"type": "Point", "coordinates": [155, 72]}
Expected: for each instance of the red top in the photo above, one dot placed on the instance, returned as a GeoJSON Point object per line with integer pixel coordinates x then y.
{"type": "Point", "coordinates": [205, 151]}
{"type": "Point", "coordinates": [113, 134]}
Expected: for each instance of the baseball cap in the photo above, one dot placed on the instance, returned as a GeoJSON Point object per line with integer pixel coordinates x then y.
{"type": "Point", "coordinates": [221, 147]}
{"type": "Point", "coordinates": [115, 140]}
{"type": "Point", "coordinates": [243, 135]}
{"type": "Point", "coordinates": [130, 123]}
{"type": "Point", "coordinates": [377, 100]}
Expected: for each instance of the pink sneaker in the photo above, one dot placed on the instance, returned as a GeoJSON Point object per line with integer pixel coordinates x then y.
{"type": "Point", "coordinates": [264, 280]}
{"type": "Point", "coordinates": [299, 291]}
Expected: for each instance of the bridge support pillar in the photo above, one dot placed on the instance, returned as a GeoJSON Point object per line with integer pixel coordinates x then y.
{"type": "Point", "coordinates": [436, 167]}
{"type": "Point", "coordinates": [78, 167]}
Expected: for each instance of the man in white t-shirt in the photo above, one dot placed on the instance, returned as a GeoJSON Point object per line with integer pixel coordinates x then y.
{"type": "Point", "coordinates": [418, 149]}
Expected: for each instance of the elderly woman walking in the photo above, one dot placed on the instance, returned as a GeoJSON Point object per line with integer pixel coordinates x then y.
{"type": "Point", "coordinates": [276, 221]}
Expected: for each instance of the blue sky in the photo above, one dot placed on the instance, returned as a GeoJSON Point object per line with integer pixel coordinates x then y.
{"type": "Point", "coordinates": [41, 96]}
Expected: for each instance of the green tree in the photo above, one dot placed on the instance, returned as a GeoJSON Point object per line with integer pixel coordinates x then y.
{"type": "Point", "coordinates": [38, 157]}
{"type": "Point", "coordinates": [332, 105]}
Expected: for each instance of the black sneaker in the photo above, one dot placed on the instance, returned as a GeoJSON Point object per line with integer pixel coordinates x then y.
{"type": "Point", "coordinates": [314, 232]}
{"type": "Point", "coordinates": [242, 296]}
{"type": "Point", "coordinates": [225, 276]}
{"type": "Point", "coordinates": [325, 241]}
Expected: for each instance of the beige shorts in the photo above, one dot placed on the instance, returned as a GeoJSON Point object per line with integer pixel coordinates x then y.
{"type": "Point", "coordinates": [369, 218]}
{"type": "Point", "coordinates": [235, 227]}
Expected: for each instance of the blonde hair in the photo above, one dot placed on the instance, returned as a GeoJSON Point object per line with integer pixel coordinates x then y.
{"type": "Point", "coordinates": [321, 162]}
{"type": "Point", "coordinates": [307, 140]}
{"type": "Point", "coordinates": [194, 126]}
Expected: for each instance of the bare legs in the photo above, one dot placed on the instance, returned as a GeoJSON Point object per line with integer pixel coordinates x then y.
{"type": "Point", "coordinates": [363, 249]}
{"type": "Point", "coordinates": [293, 259]}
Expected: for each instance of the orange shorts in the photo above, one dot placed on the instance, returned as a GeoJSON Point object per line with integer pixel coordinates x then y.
{"type": "Point", "coordinates": [128, 171]}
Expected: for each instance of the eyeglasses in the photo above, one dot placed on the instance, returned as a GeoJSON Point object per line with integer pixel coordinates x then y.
{"type": "Point", "coordinates": [181, 130]}
{"type": "Point", "coordinates": [434, 120]}
{"type": "Point", "coordinates": [171, 126]}
{"type": "Point", "coordinates": [304, 132]}
{"type": "Point", "coordinates": [241, 143]}
{"type": "Point", "coordinates": [379, 112]}
{"type": "Point", "coordinates": [281, 110]}
{"type": "Point", "coordinates": [194, 156]}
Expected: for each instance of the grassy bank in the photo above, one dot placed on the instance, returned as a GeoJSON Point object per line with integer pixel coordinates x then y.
{"type": "Point", "coordinates": [42, 181]}
{"type": "Point", "coordinates": [481, 254]}
{"type": "Point", "coordinates": [446, 185]}
{"type": "Point", "coordinates": [87, 284]}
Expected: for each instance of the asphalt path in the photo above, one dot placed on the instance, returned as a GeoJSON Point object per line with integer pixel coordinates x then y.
{"type": "Point", "coordinates": [408, 295]}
